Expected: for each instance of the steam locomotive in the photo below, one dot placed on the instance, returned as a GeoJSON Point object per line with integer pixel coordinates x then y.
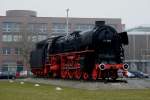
{"type": "Point", "coordinates": [94, 54]}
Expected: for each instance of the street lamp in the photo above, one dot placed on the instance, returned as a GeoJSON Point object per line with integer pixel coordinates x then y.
{"type": "Point", "coordinates": [134, 47]}
{"type": "Point", "coordinates": [67, 10]}
{"type": "Point", "coordinates": [147, 42]}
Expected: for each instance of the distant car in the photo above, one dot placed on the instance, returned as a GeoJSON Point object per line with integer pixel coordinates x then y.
{"type": "Point", "coordinates": [145, 75]}
{"type": "Point", "coordinates": [139, 74]}
{"type": "Point", "coordinates": [130, 75]}
{"type": "Point", "coordinates": [22, 74]}
{"type": "Point", "coordinates": [7, 75]}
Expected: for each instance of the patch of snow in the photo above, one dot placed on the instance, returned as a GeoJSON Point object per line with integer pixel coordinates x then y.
{"type": "Point", "coordinates": [21, 82]}
{"type": "Point", "coordinates": [58, 88]}
{"type": "Point", "coordinates": [11, 81]}
{"type": "Point", "coordinates": [36, 85]}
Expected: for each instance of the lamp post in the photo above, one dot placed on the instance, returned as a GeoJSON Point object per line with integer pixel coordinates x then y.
{"type": "Point", "coordinates": [134, 47]}
{"type": "Point", "coordinates": [147, 42]}
{"type": "Point", "coordinates": [147, 51]}
{"type": "Point", "coordinates": [67, 10]}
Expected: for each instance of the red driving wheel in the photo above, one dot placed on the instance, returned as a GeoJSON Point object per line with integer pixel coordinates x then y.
{"type": "Point", "coordinates": [94, 74]}
{"type": "Point", "coordinates": [70, 74]}
{"type": "Point", "coordinates": [64, 74]}
{"type": "Point", "coordinates": [78, 74]}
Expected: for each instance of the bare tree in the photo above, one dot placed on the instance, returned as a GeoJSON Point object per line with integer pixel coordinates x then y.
{"type": "Point", "coordinates": [26, 43]}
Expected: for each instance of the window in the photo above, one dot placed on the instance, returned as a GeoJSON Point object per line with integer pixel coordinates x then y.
{"type": "Point", "coordinates": [41, 37]}
{"type": "Point", "coordinates": [34, 38]}
{"type": "Point", "coordinates": [42, 28]}
{"type": "Point", "coordinates": [18, 51]}
{"type": "Point", "coordinates": [4, 68]}
{"type": "Point", "coordinates": [31, 27]}
{"type": "Point", "coordinates": [10, 27]}
{"type": "Point", "coordinates": [37, 27]}
{"type": "Point", "coordinates": [60, 28]}
{"type": "Point", "coordinates": [10, 38]}
{"type": "Point", "coordinates": [9, 66]}
{"type": "Point", "coordinates": [83, 27]}
{"type": "Point", "coordinates": [6, 27]}
{"type": "Point", "coordinates": [6, 51]}
{"type": "Point", "coordinates": [19, 66]}
{"type": "Point", "coordinates": [6, 38]}
{"type": "Point", "coordinates": [17, 38]}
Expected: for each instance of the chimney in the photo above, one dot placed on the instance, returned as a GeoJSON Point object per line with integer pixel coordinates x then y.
{"type": "Point", "coordinates": [99, 23]}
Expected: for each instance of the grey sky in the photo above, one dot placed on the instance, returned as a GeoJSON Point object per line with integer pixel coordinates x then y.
{"type": "Point", "coordinates": [132, 12]}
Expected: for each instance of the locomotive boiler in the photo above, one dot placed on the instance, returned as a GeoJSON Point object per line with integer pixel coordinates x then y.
{"type": "Point", "coordinates": [93, 54]}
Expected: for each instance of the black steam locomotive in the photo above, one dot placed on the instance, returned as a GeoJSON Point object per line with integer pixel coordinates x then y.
{"type": "Point", "coordinates": [94, 54]}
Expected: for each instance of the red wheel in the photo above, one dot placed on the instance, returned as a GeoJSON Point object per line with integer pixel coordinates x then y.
{"type": "Point", "coordinates": [95, 74]}
{"type": "Point", "coordinates": [78, 74]}
{"type": "Point", "coordinates": [64, 74]}
{"type": "Point", "coordinates": [70, 74]}
{"type": "Point", "coordinates": [85, 76]}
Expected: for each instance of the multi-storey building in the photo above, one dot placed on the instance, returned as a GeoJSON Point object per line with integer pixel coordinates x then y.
{"type": "Point", "coordinates": [138, 51]}
{"type": "Point", "coordinates": [19, 27]}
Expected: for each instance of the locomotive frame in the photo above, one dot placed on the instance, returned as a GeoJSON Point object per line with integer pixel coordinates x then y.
{"type": "Point", "coordinates": [78, 64]}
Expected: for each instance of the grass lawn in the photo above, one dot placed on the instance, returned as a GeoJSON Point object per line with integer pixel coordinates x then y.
{"type": "Point", "coordinates": [27, 91]}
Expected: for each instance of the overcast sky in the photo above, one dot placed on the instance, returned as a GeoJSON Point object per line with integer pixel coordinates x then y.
{"type": "Point", "coordinates": [132, 12]}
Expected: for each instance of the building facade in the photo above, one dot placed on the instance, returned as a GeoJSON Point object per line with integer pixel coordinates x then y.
{"type": "Point", "coordinates": [20, 28]}
{"type": "Point", "coordinates": [138, 51]}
